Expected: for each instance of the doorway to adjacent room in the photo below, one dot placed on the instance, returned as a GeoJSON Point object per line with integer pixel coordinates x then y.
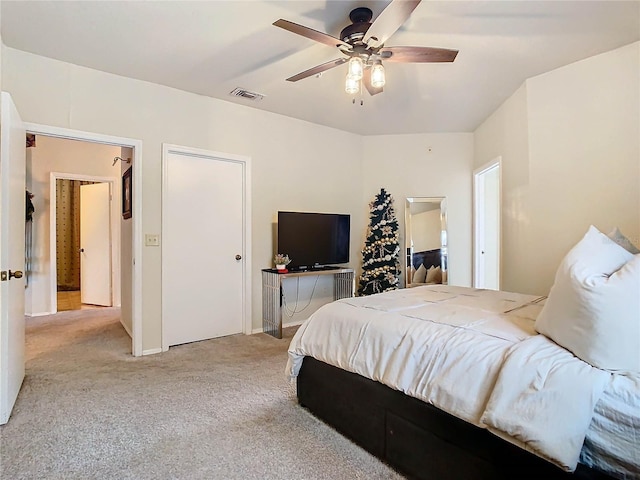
{"type": "Point", "coordinates": [487, 225]}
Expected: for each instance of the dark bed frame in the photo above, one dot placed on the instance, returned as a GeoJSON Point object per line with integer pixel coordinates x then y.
{"type": "Point", "coordinates": [413, 437]}
{"type": "Point", "coordinates": [428, 258]}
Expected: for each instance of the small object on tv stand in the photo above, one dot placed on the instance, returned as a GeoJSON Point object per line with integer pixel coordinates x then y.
{"type": "Point", "coordinates": [299, 268]}
{"type": "Point", "coordinates": [282, 270]}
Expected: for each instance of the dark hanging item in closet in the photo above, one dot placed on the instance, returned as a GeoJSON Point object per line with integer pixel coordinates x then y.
{"type": "Point", "coordinates": [29, 206]}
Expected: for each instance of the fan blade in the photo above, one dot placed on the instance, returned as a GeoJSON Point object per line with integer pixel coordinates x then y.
{"type": "Point", "coordinates": [390, 20]}
{"type": "Point", "coordinates": [317, 69]}
{"type": "Point", "coordinates": [312, 34]}
{"type": "Point", "coordinates": [366, 79]}
{"type": "Point", "coordinates": [417, 54]}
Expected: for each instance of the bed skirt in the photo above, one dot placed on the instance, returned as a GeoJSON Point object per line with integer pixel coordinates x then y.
{"type": "Point", "coordinates": [415, 438]}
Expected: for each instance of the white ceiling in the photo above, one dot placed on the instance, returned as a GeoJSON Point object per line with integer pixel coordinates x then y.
{"type": "Point", "coordinates": [212, 47]}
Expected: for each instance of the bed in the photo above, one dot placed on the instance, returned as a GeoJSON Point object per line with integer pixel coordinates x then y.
{"type": "Point", "coordinates": [435, 380]}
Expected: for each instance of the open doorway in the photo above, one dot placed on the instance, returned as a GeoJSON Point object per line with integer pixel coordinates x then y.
{"type": "Point", "coordinates": [487, 225]}
{"type": "Point", "coordinates": [119, 155]}
{"type": "Point", "coordinates": [87, 247]}
{"type": "Point", "coordinates": [56, 168]}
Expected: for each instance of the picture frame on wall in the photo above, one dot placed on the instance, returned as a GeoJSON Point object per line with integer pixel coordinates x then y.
{"type": "Point", "coordinates": [127, 198]}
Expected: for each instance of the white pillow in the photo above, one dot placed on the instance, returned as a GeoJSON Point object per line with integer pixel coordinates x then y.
{"type": "Point", "coordinates": [617, 236]}
{"type": "Point", "coordinates": [434, 275]}
{"type": "Point", "coordinates": [593, 308]}
{"type": "Point", "coordinates": [438, 274]}
{"type": "Point", "coordinates": [420, 275]}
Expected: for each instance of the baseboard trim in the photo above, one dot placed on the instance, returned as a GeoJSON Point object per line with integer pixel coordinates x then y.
{"type": "Point", "coordinates": [39, 314]}
{"type": "Point", "coordinates": [126, 329]}
{"type": "Point", "coordinates": [151, 351]}
{"type": "Point", "coordinates": [285, 325]}
{"type": "Point", "coordinates": [294, 324]}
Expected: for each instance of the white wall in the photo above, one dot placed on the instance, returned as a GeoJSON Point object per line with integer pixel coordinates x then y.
{"type": "Point", "coordinates": [569, 141]}
{"type": "Point", "coordinates": [126, 254]}
{"type": "Point", "coordinates": [299, 166]}
{"type": "Point", "coordinates": [426, 165]}
{"type": "Point", "coordinates": [295, 164]}
{"type": "Point", "coordinates": [62, 156]}
{"type": "Point", "coordinates": [505, 134]}
{"type": "Point", "coordinates": [425, 230]}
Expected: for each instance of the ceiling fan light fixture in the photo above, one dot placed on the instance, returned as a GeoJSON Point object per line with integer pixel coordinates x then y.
{"type": "Point", "coordinates": [356, 68]}
{"type": "Point", "coordinates": [377, 75]}
{"type": "Point", "coordinates": [362, 44]}
{"type": "Point", "coordinates": [352, 85]}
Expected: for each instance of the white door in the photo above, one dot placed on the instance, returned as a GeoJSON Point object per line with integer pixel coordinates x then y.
{"type": "Point", "coordinates": [202, 238]}
{"type": "Point", "coordinates": [12, 239]}
{"type": "Point", "coordinates": [95, 244]}
{"type": "Point", "coordinates": [487, 226]}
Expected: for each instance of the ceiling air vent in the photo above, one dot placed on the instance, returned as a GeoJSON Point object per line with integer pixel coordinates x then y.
{"type": "Point", "coordinates": [241, 92]}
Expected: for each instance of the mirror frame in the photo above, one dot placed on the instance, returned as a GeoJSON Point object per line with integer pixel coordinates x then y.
{"type": "Point", "coordinates": [444, 253]}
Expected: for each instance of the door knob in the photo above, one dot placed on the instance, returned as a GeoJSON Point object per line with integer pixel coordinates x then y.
{"type": "Point", "coordinates": [238, 257]}
{"type": "Point", "coordinates": [16, 274]}
{"type": "Point", "coordinates": [81, 250]}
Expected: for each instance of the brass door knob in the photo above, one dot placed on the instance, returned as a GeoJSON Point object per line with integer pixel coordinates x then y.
{"type": "Point", "coordinates": [16, 274]}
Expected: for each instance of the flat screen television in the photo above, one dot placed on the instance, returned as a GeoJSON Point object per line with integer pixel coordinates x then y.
{"type": "Point", "coordinates": [313, 240]}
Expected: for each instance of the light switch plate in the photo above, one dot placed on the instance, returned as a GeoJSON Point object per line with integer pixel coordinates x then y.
{"type": "Point", "coordinates": [152, 239]}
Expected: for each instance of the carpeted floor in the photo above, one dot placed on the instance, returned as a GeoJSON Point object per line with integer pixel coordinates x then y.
{"type": "Point", "coordinates": [217, 409]}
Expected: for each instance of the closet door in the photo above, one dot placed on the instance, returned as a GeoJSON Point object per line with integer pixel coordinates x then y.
{"type": "Point", "coordinates": [95, 244]}
{"type": "Point", "coordinates": [202, 247]}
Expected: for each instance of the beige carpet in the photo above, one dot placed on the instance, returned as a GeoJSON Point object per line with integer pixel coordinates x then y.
{"type": "Point", "coordinates": [217, 409]}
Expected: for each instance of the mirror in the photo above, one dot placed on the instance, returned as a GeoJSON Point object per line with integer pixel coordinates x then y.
{"type": "Point", "coordinates": [426, 241]}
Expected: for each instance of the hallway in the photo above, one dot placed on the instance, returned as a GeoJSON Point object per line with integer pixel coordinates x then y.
{"type": "Point", "coordinates": [71, 301]}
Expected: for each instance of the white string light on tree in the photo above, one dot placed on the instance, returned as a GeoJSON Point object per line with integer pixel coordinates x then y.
{"type": "Point", "coordinates": [380, 265]}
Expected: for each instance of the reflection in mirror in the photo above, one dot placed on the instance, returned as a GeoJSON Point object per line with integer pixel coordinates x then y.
{"type": "Point", "coordinates": [426, 241]}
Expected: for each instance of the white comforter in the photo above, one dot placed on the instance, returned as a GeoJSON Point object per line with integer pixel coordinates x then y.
{"type": "Point", "coordinates": [472, 353]}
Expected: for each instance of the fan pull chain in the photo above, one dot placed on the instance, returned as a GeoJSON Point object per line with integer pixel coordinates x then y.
{"type": "Point", "coordinates": [353, 100]}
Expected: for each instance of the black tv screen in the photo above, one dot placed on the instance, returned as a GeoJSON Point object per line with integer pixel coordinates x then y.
{"type": "Point", "coordinates": [313, 239]}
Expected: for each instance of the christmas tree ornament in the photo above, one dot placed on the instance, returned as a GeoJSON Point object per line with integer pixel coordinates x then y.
{"type": "Point", "coordinates": [380, 262]}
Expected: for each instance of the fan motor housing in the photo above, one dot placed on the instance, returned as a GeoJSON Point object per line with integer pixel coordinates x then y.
{"type": "Point", "coordinates": [361, 14]}
{"type": "Point", "coordinates": [354, 33]}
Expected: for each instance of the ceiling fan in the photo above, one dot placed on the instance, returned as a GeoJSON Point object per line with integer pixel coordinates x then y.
{"type": "Point", "coordinates": [362, 44]}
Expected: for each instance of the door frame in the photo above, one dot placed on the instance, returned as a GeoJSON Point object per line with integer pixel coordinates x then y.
{"type": "Point", "coordinates": [136, 237]}
{"type": "Point", "coordinates": [245, 162]}
{"type": "Point", "coordinates": [115, 233]}
{"type": "Point", "coordinates": [478, 222]}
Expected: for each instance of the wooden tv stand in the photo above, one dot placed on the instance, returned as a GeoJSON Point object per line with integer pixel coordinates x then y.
{"type": "Point", "coordinates": [343, 287]}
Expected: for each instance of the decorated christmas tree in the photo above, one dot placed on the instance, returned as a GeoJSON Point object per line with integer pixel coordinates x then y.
{"type": "Point", "coordinates": [380, 265]}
